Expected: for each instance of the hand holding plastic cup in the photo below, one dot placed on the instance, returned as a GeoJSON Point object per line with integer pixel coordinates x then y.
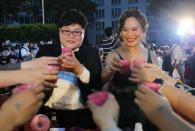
{"type": "Point", "coordinates": [52, 67]}
{"type": "Point", "coordinates": [125, 66]}
{"type": "Point", "coordinates": [139, 61]}
{"type": "Point", "coordinates": [21, 88]}
{"type": "Point", "coordinates": [98, 98]}
{"type": "Point", "coordinates": [67, 50]}
{"type": "Point", "coordinates": [153, 86]}
{"type": "Point", "coordinates": [40, 123]}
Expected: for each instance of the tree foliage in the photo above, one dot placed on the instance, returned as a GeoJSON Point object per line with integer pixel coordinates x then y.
{"type": "Point", "coordinates": [31, 32]}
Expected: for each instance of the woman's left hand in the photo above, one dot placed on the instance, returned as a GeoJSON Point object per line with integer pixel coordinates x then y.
{"type": "Point", "coordinates": [70, 62]}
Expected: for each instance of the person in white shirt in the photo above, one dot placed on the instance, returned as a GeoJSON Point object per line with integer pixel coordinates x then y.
{"type": "Point", "coordinates": [176, 60]}
{"type": "Point", "coordinates": [25, 52]}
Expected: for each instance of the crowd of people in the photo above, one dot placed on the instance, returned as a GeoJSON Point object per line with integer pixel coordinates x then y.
{"type": "Point", "coordinates": [66, 71]}
{"type": "Point", "coordinates": [11, 53]}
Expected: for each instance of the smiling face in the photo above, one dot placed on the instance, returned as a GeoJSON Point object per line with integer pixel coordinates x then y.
{"type": "Point", "coordinates": [132, 32]}
{"type": "Point", "coordinates": [71, 36]}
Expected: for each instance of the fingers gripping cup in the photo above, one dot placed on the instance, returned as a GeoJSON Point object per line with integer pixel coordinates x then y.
{"type": "Point", "coordinates": [153, 86]}
{"type": "Point", "coordinates": [21, 88]}
{"type": "Point", "coordinates": [125, 66]}
{"type": "Point", "coordinates": [40, 123]}
{"type": "Point", "coordinates": [55, 68]}
{"type": "Point", "coordinates": [139, 61]}
{"type": "Point", "coordinates": [98, 98]}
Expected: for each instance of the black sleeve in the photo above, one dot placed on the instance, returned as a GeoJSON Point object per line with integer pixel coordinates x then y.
{"type": "Point", "coordinates": [95, 72]}
{"type": "Point", "coordinates": [93, 64]}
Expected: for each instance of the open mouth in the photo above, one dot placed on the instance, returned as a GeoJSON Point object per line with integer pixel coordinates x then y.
{"type": "Point", "coordinates": [131, 40]}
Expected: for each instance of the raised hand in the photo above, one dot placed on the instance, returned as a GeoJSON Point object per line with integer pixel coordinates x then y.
{"type": "Point", "coordinates": [70, 63]}
{"type": "Point", "coordinates": [22, 107]}
{"type": "Point", "coordinates": [104, 116]}
{"type": "Point", "coordinates": [113, 65]}
{"type": "Point", "coordinates": [144, 73]}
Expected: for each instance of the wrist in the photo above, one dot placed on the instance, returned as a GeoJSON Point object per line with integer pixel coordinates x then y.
{"type": "Point", "coordinates": [107, 123]}
{"type": "Point", "coordinates": [79, 70]}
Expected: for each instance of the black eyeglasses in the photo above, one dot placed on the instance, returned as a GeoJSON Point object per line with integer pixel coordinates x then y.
{"type": "Point", "coordinates": [68, 32]}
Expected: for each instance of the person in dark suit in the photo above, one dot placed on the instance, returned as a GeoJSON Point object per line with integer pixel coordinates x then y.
{"type": "Point", "coordinates": [84, 61]}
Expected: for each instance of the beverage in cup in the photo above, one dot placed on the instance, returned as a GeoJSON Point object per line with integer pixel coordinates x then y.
{"type": "Point", "coordinates": [52, 67]}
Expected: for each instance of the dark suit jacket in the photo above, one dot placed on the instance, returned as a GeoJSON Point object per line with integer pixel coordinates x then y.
{"type": "Point", "coordinates": [89, 57]}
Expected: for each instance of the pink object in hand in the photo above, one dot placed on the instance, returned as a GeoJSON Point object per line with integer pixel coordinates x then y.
{"type": "Point", "coordinates": [126, 66]}
{"type": "Point", "coordinates": [154, 86]}
{"type": "Point", "coordinates": [139, 62]}
{"type": "Point", "coordinates": [40, 123]}
{"type": "Point", "coordinates": [98, 98]}
{"type": "Point", "coordinates": [21, 88]}
{"type": "Point", "coordinates": [52, 67]}
{"type": "Point", "coordinates": [67, 49]}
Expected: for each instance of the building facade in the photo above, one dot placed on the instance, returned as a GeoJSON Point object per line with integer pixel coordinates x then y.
{"type": "Point", "coordinates": [108, 12]}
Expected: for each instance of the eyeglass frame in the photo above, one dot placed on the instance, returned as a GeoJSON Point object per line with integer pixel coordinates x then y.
{"type": "Point", "coordinates": [70, 32]}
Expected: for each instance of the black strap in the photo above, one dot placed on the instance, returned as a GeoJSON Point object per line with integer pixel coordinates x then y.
{"type": "Point", "coordinates": [172, 49]}
{"type": "Point", "coordinates": [25, 49]}
{"type": "Point", "coordinates": [118, 54]}
{"type": "Point", "coordinates": [149, 57]}
{"type": "Point", "coordinates": [171, 53]}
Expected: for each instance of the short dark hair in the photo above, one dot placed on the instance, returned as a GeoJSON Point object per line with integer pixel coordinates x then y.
{"type": "Point", "coordinates": [73, 16]}
{"type": "Point", "coordinates": [108, 31]}
{"type": "Point", "coordinates": [136, 14]}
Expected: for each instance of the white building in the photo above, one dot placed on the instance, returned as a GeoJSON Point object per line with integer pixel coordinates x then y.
{"type": "Point", "coordinates": [108, 12]}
